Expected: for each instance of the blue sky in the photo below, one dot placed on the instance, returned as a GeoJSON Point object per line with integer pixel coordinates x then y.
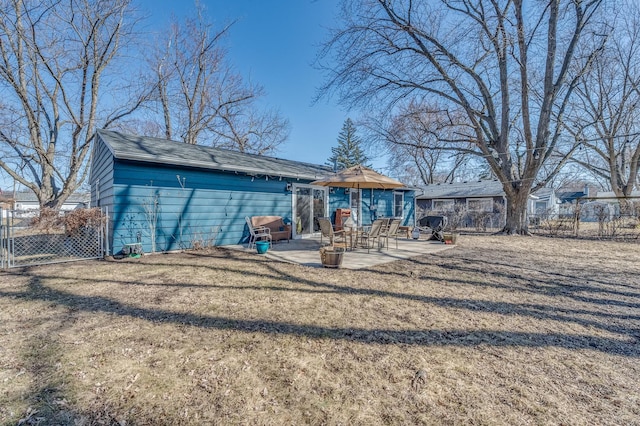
{"type": "Point", "coordinates": [274, 43]}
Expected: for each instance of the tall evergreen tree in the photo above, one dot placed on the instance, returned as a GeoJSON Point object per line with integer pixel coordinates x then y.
{"type": "Point", "coordinates": [349, 152]}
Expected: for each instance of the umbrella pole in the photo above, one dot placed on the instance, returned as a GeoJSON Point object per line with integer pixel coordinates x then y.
{"type": "Point", "coordinates": [358, 207]}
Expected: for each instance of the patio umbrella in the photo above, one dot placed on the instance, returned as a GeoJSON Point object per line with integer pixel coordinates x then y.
{"type": "Point", "coordinates": [358, 177]}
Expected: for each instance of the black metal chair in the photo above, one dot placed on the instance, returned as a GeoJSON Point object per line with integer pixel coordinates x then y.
{"type": "Point", "coordinates": [434, 226]}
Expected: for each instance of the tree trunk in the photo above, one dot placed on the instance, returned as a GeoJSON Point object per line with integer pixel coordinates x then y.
{"type": "Point", "coordinates": [517, 221]}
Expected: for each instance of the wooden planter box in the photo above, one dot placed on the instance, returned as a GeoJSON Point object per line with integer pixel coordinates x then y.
{"type": "Point", "coordinates": [331, 257]}
{"type": "Point", "coordinates": [450, 237]}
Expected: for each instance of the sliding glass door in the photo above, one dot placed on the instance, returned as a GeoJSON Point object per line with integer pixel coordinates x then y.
{"type": "Point", "coordinates": [309, 203]}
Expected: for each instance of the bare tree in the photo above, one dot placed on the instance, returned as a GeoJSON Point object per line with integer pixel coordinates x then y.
{"type": "Point", "coordinates": [605, 117]}
{"type": "Point", "coordinates": [244, 127]}
{"type": "Point", "coordinates": [54, 58]}
{"type": "Point", "coordinates": [416, 140]}
{"type": "Point", "coordinates": [202, 99]}
{"type": "Point", "coordinates": [509, 67]}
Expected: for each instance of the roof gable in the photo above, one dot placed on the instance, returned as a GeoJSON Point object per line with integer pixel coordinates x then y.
{"type": "Point", "coordinates": [162, 151]}
{"type": "Point", "coordinates": [545, 194]}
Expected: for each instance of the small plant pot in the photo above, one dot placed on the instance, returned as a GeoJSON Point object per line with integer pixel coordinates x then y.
{"type": "Point", "coordinates": [331, 257]}
{"type": "Point", "coordinates": [450, 238]}
{"type": "Point", "coordinates": [132, 250]}
{"type": "Point", "coordinates": [262, 246]}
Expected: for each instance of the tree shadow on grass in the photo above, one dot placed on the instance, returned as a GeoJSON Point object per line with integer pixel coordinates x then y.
{"type": "Point", "coordinates": [47, 396]}
{"type": "Point", "coordinates": [552, 284]}
{"type": "Point", "coordinates": [628, 346]}
{"type": "Point", "coordinates": [597, 318]}
{"type": "Point", "coordinates": [281, 272]}
{"type": "Point", "coordinates": [473, 265]}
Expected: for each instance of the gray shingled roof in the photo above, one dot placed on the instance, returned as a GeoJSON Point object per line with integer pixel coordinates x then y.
{"type": "Point", "coordinates": [544, 193]}
{"type": "Point", "coordinates": [570, 196]}
{"type": "Point", "coordinates": [76, 197]}
{"type": "Point", "coordinates": [162, 151]}
{"type": "Point", "coordinates": [485, 188]}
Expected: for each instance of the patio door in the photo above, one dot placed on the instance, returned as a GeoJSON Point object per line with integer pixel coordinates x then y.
{"type": "Point", "coordinates": [309, 203]}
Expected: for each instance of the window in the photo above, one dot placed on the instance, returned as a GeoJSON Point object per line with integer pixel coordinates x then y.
{"type": "Point", "coordinates": [443, 205]}
{"type": "Point", "coordinates": [398, 204]}
{"type": "Point", "coordinates": [541, 207]}
{"type": "Point", "coordinates": [480, 204]}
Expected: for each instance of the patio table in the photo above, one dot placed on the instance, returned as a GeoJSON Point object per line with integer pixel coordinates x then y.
{"type": "Point", "coordinates": [351, 232]}
{"type": "Point", "coordinates": [354, 233]}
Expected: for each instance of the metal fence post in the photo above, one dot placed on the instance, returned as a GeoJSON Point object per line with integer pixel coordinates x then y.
{"type": "Point", "coordinates": [2, 241]}
{"type": "Point", "coordinates": [106, 231]}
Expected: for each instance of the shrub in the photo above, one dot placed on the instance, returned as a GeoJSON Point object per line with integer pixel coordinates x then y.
{"type": "Point", "coordinates": [70, 222]}
{"type": "Point", "coordinates": [82, 218]}
{"type": "Point", "coordinates": [48, 220]}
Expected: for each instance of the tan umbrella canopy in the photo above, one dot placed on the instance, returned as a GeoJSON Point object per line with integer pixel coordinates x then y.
{"type": "Point", "coordinates": [359, 177]}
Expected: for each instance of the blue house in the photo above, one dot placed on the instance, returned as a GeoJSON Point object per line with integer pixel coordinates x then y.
{"type": "Point", "coordinates": [169, 195]}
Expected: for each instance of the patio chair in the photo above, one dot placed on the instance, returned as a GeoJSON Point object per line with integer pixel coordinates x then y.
{"type": "Point", "coordinates": [257, 233]}
{"type": "Point", "coordinates": [391, 231]}
{"type": "Point", "coordinates": [434, 226]}
{"type": "Point", "coordinates": [336, 238]}
{"type": "Point", "coordinates": [377, 227]}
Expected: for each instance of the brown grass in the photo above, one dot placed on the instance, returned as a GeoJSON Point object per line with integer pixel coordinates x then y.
{"type": "Point", "coordinates": [499, 330]}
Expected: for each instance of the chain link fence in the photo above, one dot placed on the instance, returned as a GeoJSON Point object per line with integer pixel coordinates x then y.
{"type": "Point", "coordinates": [601, 218]}
{"type": "Point", "coordinates": [28, 239]}
{"type": "Point", "coordinates": [461, 219]}
{"type": "Point", "coordinates": [597, 218]}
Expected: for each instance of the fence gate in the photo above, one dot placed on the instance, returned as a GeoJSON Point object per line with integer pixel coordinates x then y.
{"type": "Point", "coordinates": [24, 245]}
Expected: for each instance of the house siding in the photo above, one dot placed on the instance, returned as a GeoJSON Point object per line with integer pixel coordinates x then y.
{"type": "Point", "coordinates": [337, 200]}
{"type": "Point", "coordinates": [382, 201]}
{"type": "Point", "coordinates": [101, 177]}
{"type": "Point", "coordinates": [203, 205]}
{"type": "Point", "coordinates": [195, 204]}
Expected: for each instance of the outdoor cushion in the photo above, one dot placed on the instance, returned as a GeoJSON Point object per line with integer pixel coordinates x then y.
{"type": "Point", "coordinates": [279, 230]}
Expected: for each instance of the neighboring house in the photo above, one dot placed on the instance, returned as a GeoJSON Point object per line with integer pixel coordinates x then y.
{"type": "Point", "coordinates": [610, 196]}
{"type": "Point", "coordinates": [171, 195]}
{"type": "Point", "coordinates": [610, 199]}
{"type": "Point", "coordinates": [466, 204]}
{"type": "Point", "coordinates": [546, 203]}
{"type": "Point", "coordinates": [6, 203]}
{"type": "Point", "coordinates": [26, 204]}
{"type": "Point", "coordinates": [568, 200]}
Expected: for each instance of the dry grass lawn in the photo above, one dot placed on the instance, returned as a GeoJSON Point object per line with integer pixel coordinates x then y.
{"type": "Point", "coordinates": [499, 330]}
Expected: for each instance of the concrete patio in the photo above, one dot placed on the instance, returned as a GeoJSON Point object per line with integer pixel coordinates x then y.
{"type": "Point", "coordinates": [306, 252]}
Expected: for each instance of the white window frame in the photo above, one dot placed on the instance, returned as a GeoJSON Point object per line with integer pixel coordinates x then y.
{"type": "Point", "coordinates": [294, 208]}
{"type": "Point", "coordinates": [486, 208]}
{"type": "Point", "coordinates": [449, 205]}
{"type": "Point", "coordinates": [395, 206]}
{"type": "Point", "coordinates": [540, 207]}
